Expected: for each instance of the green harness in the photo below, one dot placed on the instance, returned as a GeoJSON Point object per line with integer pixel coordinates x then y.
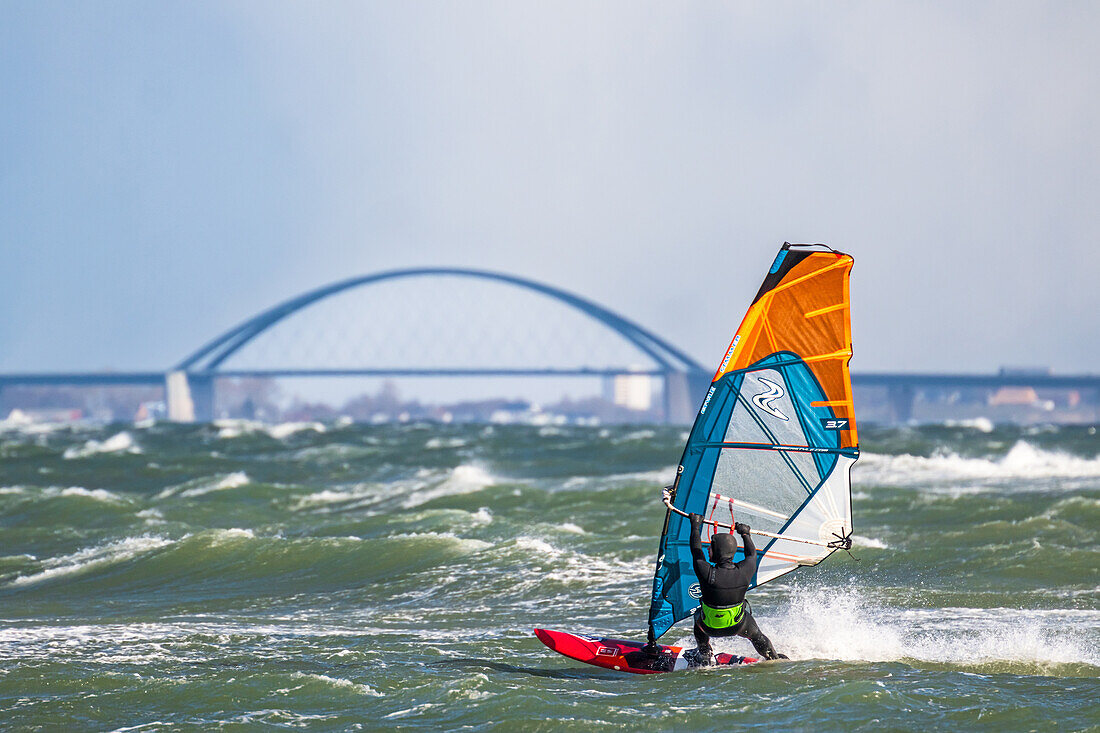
{"type": "Point", "coordinates": [723, 618]}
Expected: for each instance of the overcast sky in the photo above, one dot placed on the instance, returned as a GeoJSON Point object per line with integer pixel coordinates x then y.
{"type": "Point", "coordinates": [169, 169]}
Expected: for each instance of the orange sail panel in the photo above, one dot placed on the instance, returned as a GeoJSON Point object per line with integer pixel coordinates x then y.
{"type": "Point", "coordinates": [803, 307]}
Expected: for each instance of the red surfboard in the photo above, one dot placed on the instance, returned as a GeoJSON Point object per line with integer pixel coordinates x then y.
{"type": "Point", "coordinates": [626, 656]}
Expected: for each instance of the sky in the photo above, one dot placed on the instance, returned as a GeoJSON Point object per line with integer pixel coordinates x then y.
{"type": "Point", "coordinates": [169, 169]}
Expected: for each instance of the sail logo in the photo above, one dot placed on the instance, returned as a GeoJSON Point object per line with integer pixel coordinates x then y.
{"type": "Point", "coordinates": [695, 591]}
{"type": "Point", "coordinates": [834, 423]}
{"type": "Point", "coordinates": [729, 354]}
{"type": "Point", "coordinates": [764, 400]}
{"type": "Point", "coordinates": [707, 400]}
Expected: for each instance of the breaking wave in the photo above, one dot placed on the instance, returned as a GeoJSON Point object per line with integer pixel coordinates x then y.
{"type": "Point", "coordinates": [91, 558]}
{"type": "Point", "coordinates": [235, 428]}
{"type": "Point", "coordinates": [234, 480]}
{"type": "Point", "coordinates": [205, 485]}
{"type": "Point", "coordinates": [1023, 461]}
{"type": "Point", "coordinates": [120, 443]}
{"type": "Point", "coordinates": [464, 479]}
{"type": "Point", "coordinates": [848, 625]}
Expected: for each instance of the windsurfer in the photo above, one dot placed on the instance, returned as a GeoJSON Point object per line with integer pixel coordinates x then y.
{"type": "Point", "coordinates": [724, 610]}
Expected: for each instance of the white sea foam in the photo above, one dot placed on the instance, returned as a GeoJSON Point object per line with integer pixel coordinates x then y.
{"type": "Point", "coordinates": [151, 516]}
{"type": "Point", "coordinates": [1072, 508]}
{"type": "Point", "coordinates": [658, 477]}
{"type": "Point", "coordinates": [571, 566]}
{"type": "Point", "coordinates": [20, 422]}
{"type": "Point", "coordinates": [16, 419]}
{"type": "Point", "coordinates": [570, 527]}
{"type": "Point", "coordinates": [463, 479]}
{"type": "Point", "coordinates": [633, 436]}
{"type": "Point", "coordinates": [97, 494]}
{"type": "Point", "coordinates": [981, 424]}
{"type": "Point", "coordinates": [91, 557]}
{"type": "Point", "coordinates": [230, 481]}
{"type": "Point", "coordinates": [437, 443]}
{"type": "Point", "coordinates": [198, 487]}
{"type": "Point", "coordinates": [286, 429]}
{"type": "Point", "coordinates": [861, 541]}
{"type": "Point", "coordinates": [14, 640]}
{"type": "Point", "coordinates": [327, 496]}
{"type": "Point", "coordinates": [539, 546]}
{"type": "Point", "coordinates": [342, 683]}
{"type": "Point", "coordinates": [406, 712]}
{"type": "Point", "coordinates": [219, 536]}
{"type": "Point", "coordinates": [1023, 461]}
{"type": "Point", "coordinates": [426, 485]}
{"type": "Point", "coordinates": [353, 496]}
{"type": "Point", "coordinates": [468, 687]}
{"type": "Point", "coordinates": [234, 428]}
{"type": "Point", "coordinates": [119, 443]}
{"type": "Point", "coordinates": [847, 625]}
{"type": "Point", "coordinates": [661, 476]}
{"type": "Point", "coordinates": [465, 544]}
{"type": "Point", "coordinates": [53, 492]}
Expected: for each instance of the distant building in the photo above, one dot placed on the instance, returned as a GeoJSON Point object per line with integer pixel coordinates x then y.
{"type": "Point", "coordinates": [634, 391]}
{"type": "Point", "coordinates": [1019, 396]}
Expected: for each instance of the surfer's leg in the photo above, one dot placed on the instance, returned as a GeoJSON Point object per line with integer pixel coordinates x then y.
{"type": "Point", "coordinates": [752, 632]}
{"type": "Point", "coordinates": [702, 642]}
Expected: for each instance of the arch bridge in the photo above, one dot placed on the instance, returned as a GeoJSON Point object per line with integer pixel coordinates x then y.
{"type": "Point", "coordinates": [684, 380]}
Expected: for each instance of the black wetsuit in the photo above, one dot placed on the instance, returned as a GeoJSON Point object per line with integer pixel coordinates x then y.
{"type": "Point", "coordinates": [724, 585]}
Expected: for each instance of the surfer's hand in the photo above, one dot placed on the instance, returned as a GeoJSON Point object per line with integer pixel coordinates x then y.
{"type": "Point", "coordinates": [696, 519]}
{"type": "Point", "coordinates": [742, 528]}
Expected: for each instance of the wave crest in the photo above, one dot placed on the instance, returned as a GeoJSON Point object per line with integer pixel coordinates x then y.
{"type": "Point", "coordinates": [119, 443]}
{"type": "Point", "coordinates": [92, 557]}
{"type": "Point", "coordinates": [1022, 461]}
{"type": "Point", "coordinates": [820, 623]}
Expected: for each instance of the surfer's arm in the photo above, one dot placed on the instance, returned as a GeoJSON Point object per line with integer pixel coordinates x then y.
{"type": "Point", "coordinates": [748, 565]}
{"type": "Point", "coordinates": [746, 539]}
{"type": "Point", "coordinates": [702, 567]}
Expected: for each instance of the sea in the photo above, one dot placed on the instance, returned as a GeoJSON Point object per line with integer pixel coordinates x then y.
{"type": "Point", "coordinates": [338, 576]}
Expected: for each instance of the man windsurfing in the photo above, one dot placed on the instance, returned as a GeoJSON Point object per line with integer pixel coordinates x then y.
{"type": "Point", "coordinates": [724, 610]}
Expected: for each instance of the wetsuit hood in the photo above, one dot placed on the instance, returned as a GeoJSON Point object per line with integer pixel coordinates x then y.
{"type": "Point", "coordinates": [723, 546]}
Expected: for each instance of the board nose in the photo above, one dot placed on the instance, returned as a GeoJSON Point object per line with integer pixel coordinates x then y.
{"type": "Point", "coordinates": [546, 638]}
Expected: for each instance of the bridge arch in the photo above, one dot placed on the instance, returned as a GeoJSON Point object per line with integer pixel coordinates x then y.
{"type": "Point", "coordinates": [212, 355]}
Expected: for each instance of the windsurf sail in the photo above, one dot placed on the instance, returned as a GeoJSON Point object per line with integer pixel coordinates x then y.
{"type": "Point", "coordinates": [775, 438]}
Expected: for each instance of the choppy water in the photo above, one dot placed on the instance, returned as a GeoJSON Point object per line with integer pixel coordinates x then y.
{"type": "Point", "coordinates": [351, 577]}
